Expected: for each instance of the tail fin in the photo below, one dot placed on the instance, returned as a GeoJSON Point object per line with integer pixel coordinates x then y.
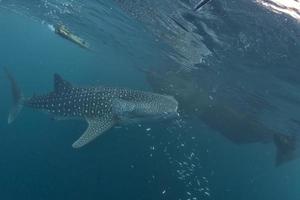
{"type": "Point", "coordinates": [17, 98]}
{"type": "Point", "coordinates": [286, 146]}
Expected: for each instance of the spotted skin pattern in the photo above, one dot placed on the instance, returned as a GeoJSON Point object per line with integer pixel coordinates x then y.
{"type": "Point", "coordinates": [101, 107]}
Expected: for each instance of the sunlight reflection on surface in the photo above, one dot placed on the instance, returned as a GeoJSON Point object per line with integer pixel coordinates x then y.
{"type": "Point", "coordinates": [289, 7]}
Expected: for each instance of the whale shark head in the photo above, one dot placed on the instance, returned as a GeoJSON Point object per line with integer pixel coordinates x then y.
{"type": "Point", "coordinates": [154, 107]}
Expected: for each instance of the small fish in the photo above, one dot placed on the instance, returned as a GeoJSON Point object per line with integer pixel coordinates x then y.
{"type": "Point", "coordinates": [101, 107]}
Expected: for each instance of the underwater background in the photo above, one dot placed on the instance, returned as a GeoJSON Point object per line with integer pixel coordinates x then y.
{"type": "Point", "coordinates": [239, 52]}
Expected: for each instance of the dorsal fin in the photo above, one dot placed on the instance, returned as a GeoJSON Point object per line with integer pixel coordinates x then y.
{"type": "Point", "coordinates": [61, 85]}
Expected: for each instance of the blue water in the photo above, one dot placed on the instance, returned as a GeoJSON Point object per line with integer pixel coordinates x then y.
{"type": "Point", "coordinates": [243, 53]}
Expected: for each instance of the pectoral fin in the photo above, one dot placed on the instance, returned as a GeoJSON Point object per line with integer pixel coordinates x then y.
{"type": "Point", "coordinates": [96, 127]}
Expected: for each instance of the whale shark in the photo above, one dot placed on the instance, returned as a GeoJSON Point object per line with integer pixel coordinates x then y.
{"type": "Point", "coordinates": [223, 116]}
{"type": "Point", "coordinates": [102, 107]}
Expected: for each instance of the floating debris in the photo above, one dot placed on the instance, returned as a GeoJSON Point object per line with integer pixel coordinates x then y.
{"type": "Point", "coordinates": [152, 148]}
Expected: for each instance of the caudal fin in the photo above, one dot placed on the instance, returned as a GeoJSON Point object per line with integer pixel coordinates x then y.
{"type": "Point", "coordinates": [286, 146]}
{"type": "Point", "coordinates": [17, 97]}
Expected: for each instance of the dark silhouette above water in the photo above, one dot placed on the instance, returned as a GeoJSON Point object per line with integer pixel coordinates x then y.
{"type": "Point", "coordinates": [101, 107]}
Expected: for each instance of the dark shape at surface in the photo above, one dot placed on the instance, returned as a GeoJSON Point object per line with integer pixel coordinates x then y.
{"type": "Point", "coordinates": [179, 24]}
{"type": "Point", "coordinates": [220, 114]}
{"type": "Point", "coordinates": [200, 4]}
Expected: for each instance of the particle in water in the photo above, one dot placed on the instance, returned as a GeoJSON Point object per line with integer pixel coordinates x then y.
{"type": "Point", "coordinates": [207, 193]}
